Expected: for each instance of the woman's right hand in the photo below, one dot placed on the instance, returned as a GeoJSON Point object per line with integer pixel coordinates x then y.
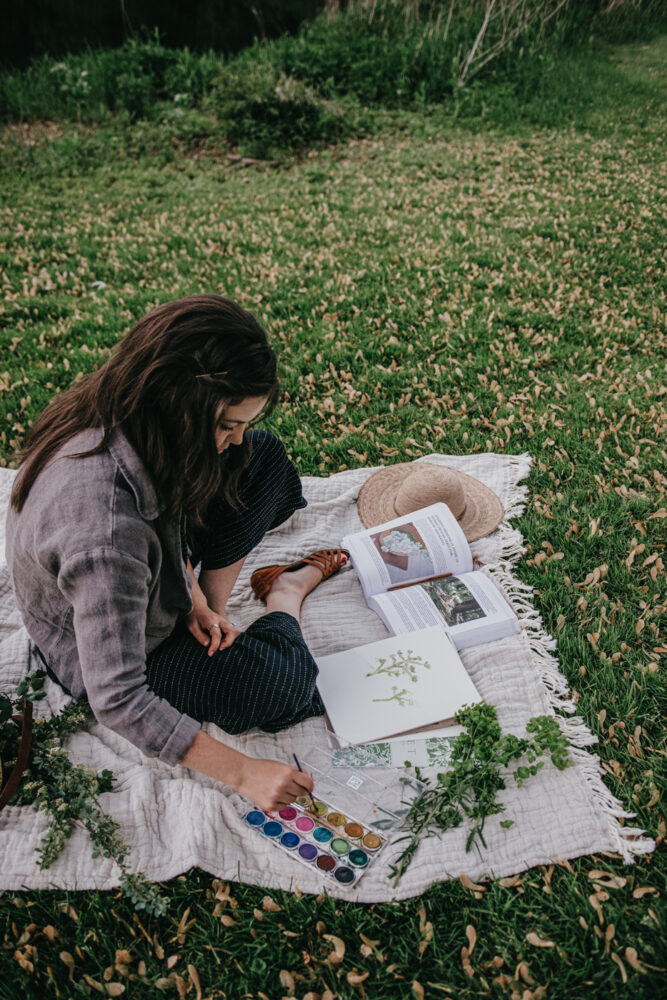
{"type": "Point", "coordinates": [270, 784]}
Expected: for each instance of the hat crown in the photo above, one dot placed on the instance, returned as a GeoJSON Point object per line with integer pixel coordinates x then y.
{"type": "Point", "coordinates": [430, 484]}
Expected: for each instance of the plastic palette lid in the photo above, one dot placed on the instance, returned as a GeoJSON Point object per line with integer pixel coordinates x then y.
{"type": "Point", "coordinates": [380, 800]}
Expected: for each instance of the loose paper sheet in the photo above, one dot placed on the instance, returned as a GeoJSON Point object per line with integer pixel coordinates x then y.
{"type": "Point", "coordinates": [394, 686]}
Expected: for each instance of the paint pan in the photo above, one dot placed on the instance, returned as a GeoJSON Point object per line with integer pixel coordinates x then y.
{"type": "Point", "coordinates": [255, 818]}
{"type": "Point", "coordinates": [354, 831]}
{"type": "Point", "coordinates": [272, 829]}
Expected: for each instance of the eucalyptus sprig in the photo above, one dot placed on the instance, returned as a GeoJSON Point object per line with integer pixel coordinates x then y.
{"type": "Point", "coordinates": [468, 790]}
{"type": "Point", "coordinates": [69, 793]}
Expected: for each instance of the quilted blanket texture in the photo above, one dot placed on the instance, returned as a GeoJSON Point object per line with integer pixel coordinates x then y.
{"type": "Point", "coordinates": [174, 819]}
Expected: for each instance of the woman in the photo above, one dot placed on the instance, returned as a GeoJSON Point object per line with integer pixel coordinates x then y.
{"type": "Point", "coordinates": [129, 479]}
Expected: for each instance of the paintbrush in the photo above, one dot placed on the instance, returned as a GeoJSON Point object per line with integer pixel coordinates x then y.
{"type": "Point", "coordinates": [296, 761]}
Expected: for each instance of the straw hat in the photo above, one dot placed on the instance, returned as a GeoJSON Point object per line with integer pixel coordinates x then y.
{"type": "Point", "coordinates": [400, 489]}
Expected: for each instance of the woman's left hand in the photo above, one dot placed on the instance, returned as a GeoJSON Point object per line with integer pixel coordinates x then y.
{"type": "Point", "coordinates": [211, 629]}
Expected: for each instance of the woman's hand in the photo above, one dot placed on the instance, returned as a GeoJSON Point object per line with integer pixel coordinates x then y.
{"type": "Point", "coordinates": [270, 784]}
{"type": "Point", "coordinates": [267, 783]}
{"type": "Point", "coordinates": [210, 628]}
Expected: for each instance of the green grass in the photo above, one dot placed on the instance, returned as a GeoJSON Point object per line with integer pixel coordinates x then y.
{"type": "Point", "coordinates": [459, 288]}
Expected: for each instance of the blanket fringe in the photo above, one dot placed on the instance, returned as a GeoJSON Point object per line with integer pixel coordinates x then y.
{"type": "Point", "coordinates": [630, 842]}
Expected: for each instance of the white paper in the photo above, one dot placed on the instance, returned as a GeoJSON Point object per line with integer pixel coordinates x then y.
{"type": "Point", "coordinates": [390, 687]}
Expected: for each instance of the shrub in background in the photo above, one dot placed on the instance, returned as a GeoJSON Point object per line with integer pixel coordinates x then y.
{"type": "Point", "coordinates": [265, 110]}
{"type": "Point", "coordinates": [132, 78]}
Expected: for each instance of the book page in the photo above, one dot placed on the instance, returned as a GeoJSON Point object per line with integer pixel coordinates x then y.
{"type": "Point", "coordinates": [421, 544]}
{"type": "Point", "coordinates": [470, 607]}
{"type": "Point", "coordinates": [394, 686]}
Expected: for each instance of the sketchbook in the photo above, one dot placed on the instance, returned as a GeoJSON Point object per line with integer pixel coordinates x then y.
{"type": "Point", "coordinates": [394, 687]}
{"type": "Point", "coordinates": [396, 563]}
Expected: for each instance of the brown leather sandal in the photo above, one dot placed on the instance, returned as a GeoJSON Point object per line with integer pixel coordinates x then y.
{"type": "Point", "coordinates": [329, 561]}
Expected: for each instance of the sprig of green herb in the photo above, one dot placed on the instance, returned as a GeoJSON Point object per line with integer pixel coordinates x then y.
{"type": "Point", "coordinates": [69, 793]}
{"type": "Point", "coordinates": [468, 790]}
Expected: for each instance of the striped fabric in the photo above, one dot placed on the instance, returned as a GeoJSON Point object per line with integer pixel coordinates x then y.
{"type": "Point", "coordinates": [270, 490]}
{"type": "Point", "coordinates": [267, 677]}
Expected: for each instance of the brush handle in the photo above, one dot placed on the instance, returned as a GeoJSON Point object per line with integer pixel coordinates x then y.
{"type": "Point", "coordinates": [296, 761]}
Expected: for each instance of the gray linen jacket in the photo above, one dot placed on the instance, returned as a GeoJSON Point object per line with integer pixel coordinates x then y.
{"type": "Point", "coordinates": [100, 581]}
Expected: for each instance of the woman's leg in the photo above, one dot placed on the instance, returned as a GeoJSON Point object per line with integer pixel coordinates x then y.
{"type": "Point", "coordinates": [289, 589]}
{"type": "Point", "coordinates": [266, 678]}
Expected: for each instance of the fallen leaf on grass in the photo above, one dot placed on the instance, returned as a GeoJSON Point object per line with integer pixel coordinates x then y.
{"type": "Point", "coordinates": [471, 934]}
{"type": "Point", "coordinates": [619, 963]}
{"type": "Point", "coordinates": [418, 989]}
{"type": "Point", "coordinates": [355, 978]}
{"type": "Point", "coordinates": [468, 883]}
{"type": "Point", "coordinates": [194, 976]}
{"type": "Point", "coordinates": [539, 942]}
{"type": "Point", "coordinates": [270, 905]}
{"type": "Point", "coordinates": [633, 959]}
{"type": "Point", "coordinates": [287, 981]}
{"type": "Point", "coordinates": [338, 954]}
{"type": "Point", "coordinates": [644, 890]}
{"type": "Point", "coordinates": [465, 962]}
{"type": "Point", "coordinates": [69, 962]}
{"type": "Point", "coordinates": [607, 880]}
{"type": "Point", "coordinates": [511, 881]}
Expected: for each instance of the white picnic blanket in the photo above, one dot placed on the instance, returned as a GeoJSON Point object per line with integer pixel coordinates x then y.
{"type": "Point", "coordinates": [174, 819]}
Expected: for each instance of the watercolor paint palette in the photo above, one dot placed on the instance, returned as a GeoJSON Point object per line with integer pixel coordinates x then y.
{"type": "Point", "coordinates": [319, 835]}
{"type": "Point", "coordinates": [340, 832]}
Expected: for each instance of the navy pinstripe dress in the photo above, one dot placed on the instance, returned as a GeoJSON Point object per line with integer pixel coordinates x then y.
{"type": "Point", "coordinates": [267, 676]}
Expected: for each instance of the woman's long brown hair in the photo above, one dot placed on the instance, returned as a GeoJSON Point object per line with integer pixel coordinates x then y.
{"type": "Point", "coordinates": [164, 388]}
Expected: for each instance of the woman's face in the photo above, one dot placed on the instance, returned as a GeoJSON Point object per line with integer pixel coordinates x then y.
{"type": "Point", "coordinates": [233, 421]}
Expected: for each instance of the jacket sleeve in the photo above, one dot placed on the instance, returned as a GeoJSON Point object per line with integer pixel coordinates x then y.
{"type": "Point", "coordinates": [108, 590]}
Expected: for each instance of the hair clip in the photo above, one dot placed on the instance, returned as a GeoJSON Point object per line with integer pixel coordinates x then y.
{"type": "Point", "coordinates": [211, 374]}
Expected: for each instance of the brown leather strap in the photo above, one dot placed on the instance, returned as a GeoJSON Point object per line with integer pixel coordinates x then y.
{"type": "Point", "coordinates": [24, 752]}
{"type": "Point", "coordinates": [328, 561]}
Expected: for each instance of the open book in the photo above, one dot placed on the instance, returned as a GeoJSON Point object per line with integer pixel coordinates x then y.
{"type": "Point", "coordinates": [429, 543]}
{"type": "Point", "coordinates": [399, 685]}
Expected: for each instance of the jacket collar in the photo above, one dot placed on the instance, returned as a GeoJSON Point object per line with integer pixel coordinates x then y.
{"type": "Point", "coordinates": [135, 473]}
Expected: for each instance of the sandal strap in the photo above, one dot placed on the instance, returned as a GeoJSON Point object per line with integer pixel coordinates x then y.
{"type": "Point", "coordinates": [328, 561]}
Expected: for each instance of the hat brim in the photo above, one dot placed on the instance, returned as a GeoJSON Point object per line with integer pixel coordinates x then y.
{"type": "Point", "coordinates": [375, 503]}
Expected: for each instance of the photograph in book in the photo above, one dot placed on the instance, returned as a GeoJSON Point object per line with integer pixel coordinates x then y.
{"type": "Point", "coordinates": [404, 552]}
{"type": "Point", "coordinates": [397, 685]}
{"type": "Point", "coordinates": [454, 600]}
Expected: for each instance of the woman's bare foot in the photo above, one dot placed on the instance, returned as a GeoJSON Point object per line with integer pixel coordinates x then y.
{"type": "Point", "coordinates": [289, 589]}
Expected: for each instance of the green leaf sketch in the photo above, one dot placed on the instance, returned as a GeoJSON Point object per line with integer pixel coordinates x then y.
{"type": "Point", "coordinates": [404, 698]}
{"type": "Point", "coordinates": [399, 664]}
